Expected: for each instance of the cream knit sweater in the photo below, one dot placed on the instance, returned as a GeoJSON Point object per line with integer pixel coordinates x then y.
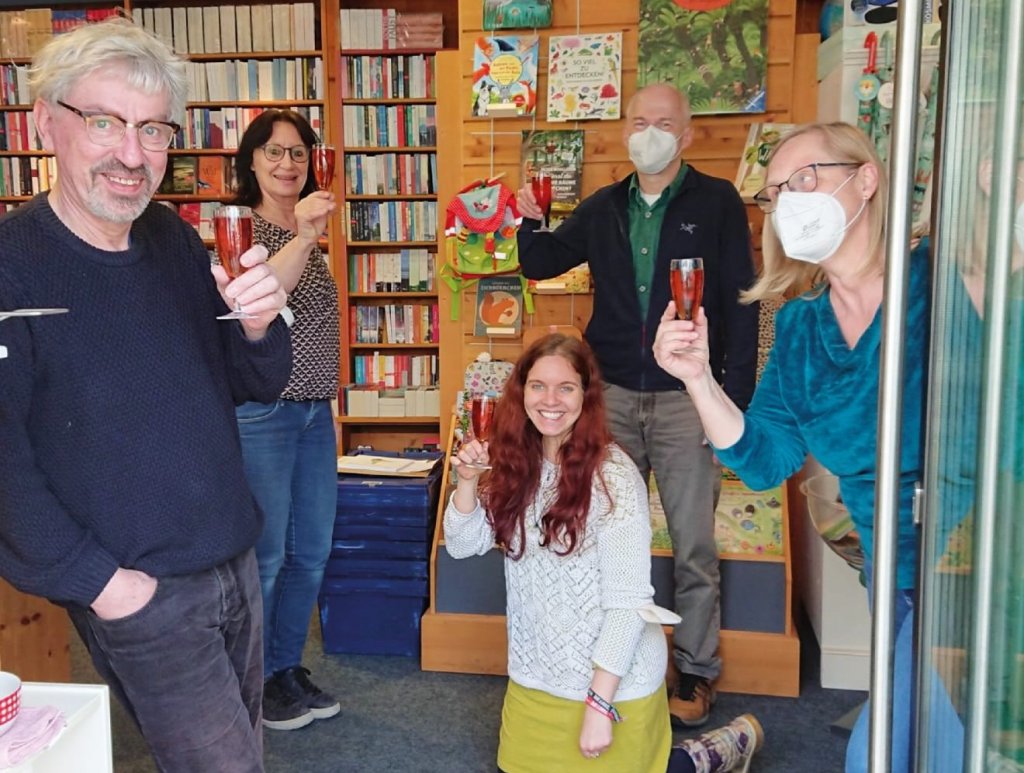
{"type": "Point", "coordinates": [568, 614]}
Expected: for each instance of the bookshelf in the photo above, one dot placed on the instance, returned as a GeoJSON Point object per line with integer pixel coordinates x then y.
{"type": "Point", "coordinates": [388, 99]}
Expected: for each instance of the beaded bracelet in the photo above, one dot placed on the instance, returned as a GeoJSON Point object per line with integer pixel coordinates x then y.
{"type": "Point", "coordinates": [602, 706]}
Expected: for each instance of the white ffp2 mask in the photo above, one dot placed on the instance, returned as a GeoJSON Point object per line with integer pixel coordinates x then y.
{"type": "Point", "coordinates": [811, 226]}
{"type": "Point", "coordinates": [652, 149]}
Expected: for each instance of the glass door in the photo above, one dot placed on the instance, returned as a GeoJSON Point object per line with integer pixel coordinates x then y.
{"type": "Point", "coordinates": [971, 637]}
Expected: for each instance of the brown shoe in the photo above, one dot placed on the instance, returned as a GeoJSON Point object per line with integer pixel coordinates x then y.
{"type": "Point", "coordinates": [690, 701]}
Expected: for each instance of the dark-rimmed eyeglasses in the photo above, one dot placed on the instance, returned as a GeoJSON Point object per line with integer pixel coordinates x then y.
{"type": "Point", "coordinates": [107, 129]}
{"type": "Point", "coordinates": [803, 180]}
{"type": "Point", "coordinates": [275, 152]}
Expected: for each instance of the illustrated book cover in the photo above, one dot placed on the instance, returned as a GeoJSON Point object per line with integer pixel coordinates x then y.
{"type": "Point", "coordinates": [505, 76]}
{"type": "Point", "coordinates": [714, 51]}
{"type": "Point", "coordinates": [559, 153]}
{"type": "Point", "coordinates": [499, 306]}
{"type": "Point", "coordinates": [585, 77]}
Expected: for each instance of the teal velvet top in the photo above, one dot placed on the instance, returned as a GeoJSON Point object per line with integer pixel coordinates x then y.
{"type": "Point", "coordinates": [818, 395]}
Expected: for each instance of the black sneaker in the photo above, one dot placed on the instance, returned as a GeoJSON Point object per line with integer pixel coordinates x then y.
{"type": "Point", "coordinates": [297, 683]}
{"type": "Point", "coordinates": [281, 710]}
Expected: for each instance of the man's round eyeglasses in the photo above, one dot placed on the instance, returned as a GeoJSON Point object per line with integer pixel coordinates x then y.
{"type": "Point", "coordinates": [107, 130]}
{"type": "Point", "coordinates": [274, 152]}
{"type": "Point", "coordinates": [803, 180]}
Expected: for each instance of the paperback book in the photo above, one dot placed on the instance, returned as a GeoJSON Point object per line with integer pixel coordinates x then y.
{"type": "Point", "coordinates": [558, 153]}
{"type": "Point", "coordinates": [505, 76]}
{"type": "Point", "coordinates": [761, 140]}
{"type": "Point", "coordinates": [585, 77]}
{"type": "Point", "coordinates": [499, 306]}
{"type": "Point", "coordinates": [516, 14]}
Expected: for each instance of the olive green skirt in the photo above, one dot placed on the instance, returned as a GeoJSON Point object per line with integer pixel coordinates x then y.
{"type": "Point", "coordinates": [541, 734]}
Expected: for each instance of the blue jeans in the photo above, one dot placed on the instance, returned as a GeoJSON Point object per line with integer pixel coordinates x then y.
{"type": "Point", "coordinates": [662, 433]}
{"type": "Point", "coordinates": [946, 731]}
{"type": "Point", "coordinates": [188, 667]}
{"type": "Point", "coordinates": [290, 455]}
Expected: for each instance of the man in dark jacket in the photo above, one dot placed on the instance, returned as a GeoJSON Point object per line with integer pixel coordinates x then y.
{"type": "Point", "coordinates": [629, 232]}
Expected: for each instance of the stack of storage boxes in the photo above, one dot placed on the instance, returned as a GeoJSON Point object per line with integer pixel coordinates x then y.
{"type": "Point", "coordinates": [375, 588]}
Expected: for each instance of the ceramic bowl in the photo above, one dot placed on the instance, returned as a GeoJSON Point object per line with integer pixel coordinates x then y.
{"type": "Point", "coordinates": [10, 700]}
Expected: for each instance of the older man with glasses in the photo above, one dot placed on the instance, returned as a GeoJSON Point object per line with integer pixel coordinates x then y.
{"type": "Point", "coordinates": [123, 496]}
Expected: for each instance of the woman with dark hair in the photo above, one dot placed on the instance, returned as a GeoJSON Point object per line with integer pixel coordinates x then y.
{"type": "Point", "coordinates": [569, 509]}
{"type": "Point", "coordinates": [289, 445]}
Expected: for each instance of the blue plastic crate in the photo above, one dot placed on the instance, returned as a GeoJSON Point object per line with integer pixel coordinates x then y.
{"type": "Point", "coordinates": [372, 530]}
{"type": "Point", "coordinates": [374, 568]}
{"type": "Point", "coordinates": [395, 501]}
{"type": "Point", "coordinates": [363, 548]}
{"type": "Point", "coordinates": [372, 617]}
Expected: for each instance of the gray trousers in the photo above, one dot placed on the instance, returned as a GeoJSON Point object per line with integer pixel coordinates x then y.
{"type": "Point", "coordinates": [662, 433]}
{"type": "Point", "coordinates": [188, 667]}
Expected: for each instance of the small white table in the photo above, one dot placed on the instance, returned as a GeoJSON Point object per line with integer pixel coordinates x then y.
{"type": "Point", "coordinates": [85, 745]}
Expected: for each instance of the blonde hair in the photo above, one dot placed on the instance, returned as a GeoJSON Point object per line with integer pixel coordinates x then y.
{"type": "Point", "coordinates": [781, 274]}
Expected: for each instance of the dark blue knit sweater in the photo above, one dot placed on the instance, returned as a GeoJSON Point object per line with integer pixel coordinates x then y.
{"type": "Point", "coordinates": [118, 440]}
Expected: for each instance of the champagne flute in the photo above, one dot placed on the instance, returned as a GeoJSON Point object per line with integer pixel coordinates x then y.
{"type": "Point", "coordinates": [323, 165]}
{"type": "Point", "coordinates": [232, 231]}
{"type": "Point", "coordinates": [481, 412]}
{"type": "Point", "coordinates": [687, 280]}
{"type": "Point", "coordinates": [541, 184]}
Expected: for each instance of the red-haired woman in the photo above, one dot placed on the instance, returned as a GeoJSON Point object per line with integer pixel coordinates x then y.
{"type": "Point", "coordinates": [570, 510]}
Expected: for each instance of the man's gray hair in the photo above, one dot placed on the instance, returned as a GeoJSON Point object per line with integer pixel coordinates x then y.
{"type": "Point", "coordinates": [151, 65]}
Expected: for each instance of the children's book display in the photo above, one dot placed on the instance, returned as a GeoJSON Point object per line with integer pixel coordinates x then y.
{"type": "Point", "coordinates": [505, 76]}
{"type": "Point", "coordinates": [585, 77]}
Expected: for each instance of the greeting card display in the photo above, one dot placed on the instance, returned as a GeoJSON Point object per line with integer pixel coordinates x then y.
{"type": "Point", "coordinates": [585, 77]}
{"type": "Point", "coordinates": [505, 76]}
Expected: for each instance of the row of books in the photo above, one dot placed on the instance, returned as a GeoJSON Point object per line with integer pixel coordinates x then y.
{"type": "Point", "coordinates": [14, 85]}
{"type": "Point", "coordinates": [222, 128]}
{"type": "Point", "coordinates": [387, 77]}
{"type": "Point", "coordinates": [409, 270]}
{"type": "Point", "coordinates": [24, 32]}
{"type": "Point", "coordinates": [27, 175]}
{"type": "Point", "coordinates": [18, 131]}
{"type": "Point", "coordinates": [377, 126]}
{"type": "Point", "coordinates": [232, 28]}
{"type": "Point", "coordinates": [269, 80]}
{"type": "Point", "coordinates": [206, 175]}
{"type": "Point", "coordinates": [391, 173]}
{"type": "Point", "coordinates": [386, 28]}
{"type": "Point", "coordinates": [394, 323]}
{"type": "Point", "coordinates": [372, 401]}
{"type": "Point", "coordinates": [391, 221]}
{"type": "Point", "coordinates": [395, 370]}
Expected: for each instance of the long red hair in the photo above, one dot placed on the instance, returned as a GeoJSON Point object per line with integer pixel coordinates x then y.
{"type": "Point", "coordinates": [515, 451]}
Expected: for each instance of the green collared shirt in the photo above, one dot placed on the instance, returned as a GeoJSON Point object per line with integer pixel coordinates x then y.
{"type": "Point", "coordinates": [645, 232]}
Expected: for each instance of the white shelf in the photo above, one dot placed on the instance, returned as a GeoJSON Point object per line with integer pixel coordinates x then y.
{"type": "Point", "coordinates": [85, 745]}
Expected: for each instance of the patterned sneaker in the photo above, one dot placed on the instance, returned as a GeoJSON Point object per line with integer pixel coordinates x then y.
{"type": "Point", "coordinates": [727, 748]}
{"type": "Point", "coordinates": [691, 700]}
{"type": "Point", "coordinates": [297, 683]}
{"type": "Point", "coordinates": [281, 710]}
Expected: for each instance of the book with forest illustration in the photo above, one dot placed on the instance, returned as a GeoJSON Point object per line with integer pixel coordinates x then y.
{"type": "Point", "coordinates": [715, 51]}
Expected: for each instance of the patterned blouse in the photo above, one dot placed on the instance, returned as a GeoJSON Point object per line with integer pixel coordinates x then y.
{"type": "Point", "coordinates": [314, 301]}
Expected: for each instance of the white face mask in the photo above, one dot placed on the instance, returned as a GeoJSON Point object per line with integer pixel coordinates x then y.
{"type": "Point", "coordinates": [652, 149]}
{"type": "Point", "coordinates": [811, 226]}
